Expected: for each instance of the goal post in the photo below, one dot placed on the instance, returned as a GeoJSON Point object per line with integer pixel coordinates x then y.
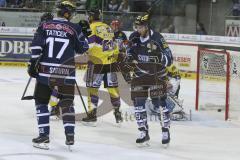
{"type": "Point", "coordinates": [212, 80]}
{"type": "Point", "coordinates": [218, 80]}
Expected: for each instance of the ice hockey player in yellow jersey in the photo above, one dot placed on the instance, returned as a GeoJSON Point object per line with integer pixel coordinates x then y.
{"type": "Point", "coordinates": [102, 66]}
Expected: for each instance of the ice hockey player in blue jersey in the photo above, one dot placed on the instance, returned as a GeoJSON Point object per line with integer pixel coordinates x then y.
{"type": "Point", "coordinates": [53, 103]}
{"type": "Point", "coordinates": [53, 48]}
{"type": "Point", "coordinates": [148, 57]}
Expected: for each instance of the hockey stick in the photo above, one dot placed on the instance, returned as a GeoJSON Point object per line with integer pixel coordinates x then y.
{"type": "Point", "coordinates": [79, 92]}
{"type": "Point", "coordinates": [149, 11]}
{"type": "Point", "coordinates": [155, 3]}
{"type": "Point", "coordinates": [25, 90]}
{"type": "Point", "coordinates": [29, 80]}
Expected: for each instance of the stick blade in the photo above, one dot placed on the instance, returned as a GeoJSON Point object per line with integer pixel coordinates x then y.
{"type": "Point", "coordinates": [27, 98]}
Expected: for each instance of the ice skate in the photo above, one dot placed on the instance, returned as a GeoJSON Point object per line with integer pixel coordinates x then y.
{"type": "Point", "coordinates": [165, 137]}
{"type": "Point", "coordinates": [41, 142]}
{"type": "Point", "coordinates": [69, 141]}
{"type": "Point", "coordinates": [118, 117]}
{"type": "Point", "coordinates": [143, 139]}
{"type": "Point", "coordinates": [91, 119]}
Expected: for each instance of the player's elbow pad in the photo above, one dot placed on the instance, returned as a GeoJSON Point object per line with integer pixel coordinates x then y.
{"type": "Point", "coordinates": [167, 58]}
{"type": "Point", "coordinates": [36, 52]}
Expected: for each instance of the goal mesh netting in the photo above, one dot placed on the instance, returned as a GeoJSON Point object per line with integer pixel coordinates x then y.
{"type": "Point", "coordinates": [218, 82]}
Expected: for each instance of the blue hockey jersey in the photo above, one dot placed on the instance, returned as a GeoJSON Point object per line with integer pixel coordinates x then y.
{"type": "Point", "coordinates": [56, 42]}
{"type": "Point", "coordinates": [151, 55]}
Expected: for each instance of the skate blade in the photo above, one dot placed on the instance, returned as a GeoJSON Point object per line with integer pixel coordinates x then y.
{"type": "Point", "coordinates": [44, 146]}
{"type": "Point", "coordinates": [89, 124]}
{"type": "Point", "coordinates": [166, 145]}
{"type": "Point", "coordinates": [144, 144]}
{"type": "Point", "coordinates": [70, 148]}
{"type": "Point", "coordinates": [119, 124]}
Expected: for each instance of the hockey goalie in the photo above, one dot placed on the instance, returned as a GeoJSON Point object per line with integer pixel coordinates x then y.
{"type": "Point", "coordinates": [173, 102]}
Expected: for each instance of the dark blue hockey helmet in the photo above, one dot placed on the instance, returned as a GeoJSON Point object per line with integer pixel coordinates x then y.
{"type": "Point", "coordinates": [65, 9]}
{"type": "Point", "coordinates": [46, 17]}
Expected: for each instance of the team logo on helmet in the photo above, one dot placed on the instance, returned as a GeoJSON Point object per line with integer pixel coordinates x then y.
{"type": "Point", "coordinates": [66, 7]}
{"type": "Point", "coordinates": [142, 20]}
{"type": "Point", "coordinates": [67, 4]}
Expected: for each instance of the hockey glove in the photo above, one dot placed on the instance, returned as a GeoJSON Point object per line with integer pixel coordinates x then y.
{"type": "Point", "coordinates": [121, 57]}
{"type": "Point", "coordinates": [85, 28]}
{"type": "Point", "coordinates": [32, 68]}
{"type": "Point", "coordinates": [127, 77]}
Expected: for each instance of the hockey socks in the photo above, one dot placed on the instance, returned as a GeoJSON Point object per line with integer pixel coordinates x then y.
{"type": "Point", "coordinates": [43, 119]}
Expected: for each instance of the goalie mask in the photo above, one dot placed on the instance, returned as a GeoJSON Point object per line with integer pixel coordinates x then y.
{"type": "Point", "coordinates": [66, 9]}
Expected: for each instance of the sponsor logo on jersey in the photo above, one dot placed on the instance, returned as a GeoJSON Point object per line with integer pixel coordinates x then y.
{"type": "Point", "coordinates": [63, 27]}
{"type": "Point", "coordinates": [151, 46]}
{"type": "Point", "coordinates": [143, 58]}
{"type": "Point", "coordinates": [57, 70]}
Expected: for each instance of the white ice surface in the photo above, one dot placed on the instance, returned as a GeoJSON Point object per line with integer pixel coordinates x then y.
{"type": "Point", "coordinates": [206, 137]}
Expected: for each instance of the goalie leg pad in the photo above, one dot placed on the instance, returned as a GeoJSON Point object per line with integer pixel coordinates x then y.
{"type": "Point", "coordinates": [175, 83]}
{"type": "Point", "coordinates": [174, 104]}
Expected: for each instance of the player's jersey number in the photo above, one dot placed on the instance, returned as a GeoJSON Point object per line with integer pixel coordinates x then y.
{"type": "Point", "coordinates": [51, 41]}
{"type": "Point", "coordinates": [108, 45]}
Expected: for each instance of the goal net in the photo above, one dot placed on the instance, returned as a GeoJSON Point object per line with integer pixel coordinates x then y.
{"type": "Point", "coordinates": [218, 81]}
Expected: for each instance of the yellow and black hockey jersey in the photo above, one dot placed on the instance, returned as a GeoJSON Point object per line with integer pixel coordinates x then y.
{"type": "Point", "coordinates": [102, 48]}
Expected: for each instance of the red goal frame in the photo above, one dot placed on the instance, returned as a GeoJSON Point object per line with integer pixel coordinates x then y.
{"type": "Point", "coordinates": [227, 78]}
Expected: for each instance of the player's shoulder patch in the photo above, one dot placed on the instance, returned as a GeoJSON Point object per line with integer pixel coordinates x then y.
{"type": "Point", "coordinates": [162, 40]}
